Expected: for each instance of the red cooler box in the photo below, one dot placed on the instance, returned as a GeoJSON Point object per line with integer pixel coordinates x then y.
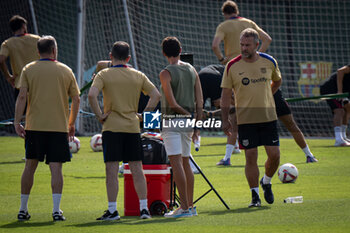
{"type": "Point", "coordinates": [158, 190]}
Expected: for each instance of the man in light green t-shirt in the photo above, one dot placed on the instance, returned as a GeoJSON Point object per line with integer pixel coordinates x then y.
{"type": "Point", "coordinates": [181, 97]}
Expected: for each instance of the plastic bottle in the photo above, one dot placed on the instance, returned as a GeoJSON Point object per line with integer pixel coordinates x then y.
{"type": "Point", "coordinates": [197, 144]}
{"type": "Point", "coordinates": [298, 199]}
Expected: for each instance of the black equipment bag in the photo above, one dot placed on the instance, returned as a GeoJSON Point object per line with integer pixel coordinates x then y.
{"type": "Point", "coordinates": [153, 150]}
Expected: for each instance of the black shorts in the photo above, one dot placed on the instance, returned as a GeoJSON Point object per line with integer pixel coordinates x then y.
{"type": "Point", "coordinates": [121, 146]}
{"type": "Point", "coordinates": [53, 146]}
{"type": "Point", "coordinates": [258, 134]}
{"type": "Point", "coordinates": [334, 104]}
{"type": "Point", "coordinates": [282, 107]}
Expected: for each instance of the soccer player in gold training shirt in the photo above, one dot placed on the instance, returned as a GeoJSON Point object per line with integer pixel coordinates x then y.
{"type": "Point", "coordinates": [47, 84]}
{"type": "Point", "coordinates": [21, 48]}
{"type": "Point", "coordinates": [229, 31]}
{"type": "Point", "coordinates": [121, 87]}
{"type": "Point", "coordinates": [254, 77]}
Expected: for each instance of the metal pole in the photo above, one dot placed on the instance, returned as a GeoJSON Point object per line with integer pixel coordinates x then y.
{"type": "Point", "coordinates": [33, 17]}
{"type": "Point", "coordinates": [80, 47]}
{"type": "Point", "coordinates": [133, 53]}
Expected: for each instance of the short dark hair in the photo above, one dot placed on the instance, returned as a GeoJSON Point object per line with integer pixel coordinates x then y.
{"type": "Point", "coordinates": [171, 46]}
{"type": "Point", "coordinates": [250, 32]}
{"type": "Point", "coordinates": [46, 44]}
{"type": "Point", "coordinates": [16, 22]}
{"type": "Point", "coordinates": [230, 7]}
{"type": "Point", "coordinates": [120, 50]}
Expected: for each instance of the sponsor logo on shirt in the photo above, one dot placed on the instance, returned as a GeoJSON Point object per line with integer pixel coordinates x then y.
{"type": "Point", "coordinates": [245, 81]}
{"type": "Point", "coordinates": [258, 80]}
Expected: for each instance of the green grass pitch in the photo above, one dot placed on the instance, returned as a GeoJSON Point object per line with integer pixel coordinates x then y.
{"type": "Point", "coordinates": [325, 187]}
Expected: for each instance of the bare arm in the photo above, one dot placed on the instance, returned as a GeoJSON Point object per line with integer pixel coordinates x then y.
{"type": "Point", "coordinates": [73, 116]}
{"type": "Point", "coordinates": [93, 93]}
{"type": "Point", "coordinates": [216, 49]}
{"type": "Point", "coordinates": [225, 109]}
{"type": "Point", "coordinates": [198, 98]}
{"type": "Point", "coordinates": [165, 79]}
{"type": "Point", "coordinates": [340, 77]}
{"type": "Point", "coordinates": [4, 69]}
{"type": "Point", "coordinates": [275, 85]}
{"type": "Point", "coordinates": [102, 65]}
{"type": "Point", "coordinates": [154, 97]}
{"type": "Point", "coordinates": [199, 106]}
{"type": "Point", "coordinates": [265, 39]}
{"type": "Point", "coordinates": [20, 106]}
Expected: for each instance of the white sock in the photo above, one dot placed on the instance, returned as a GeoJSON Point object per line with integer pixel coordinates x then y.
{"type": "Point", "coordinates": [256, 189]}
{"type": "Point", "coordinates": [307, 151]}
{"type": "Point", "coordinates": [267, 180]}
{"type": "Point", "coordinates": [229, 150]}
{"type": "Point", "coordinates": [236, 144]}
{"type": "Point", "coordinates": [143, 204]}
{"type": "Point", "coordinates": [343, 131]}
{"type": "Point", "coordinates": [24, 202]}
{"type": "Point", "coordinates": [56, 197]}
{"type": "Point", "coordinates": [112, 206]}
{"type": "Point", "coordinates": [338, 134]}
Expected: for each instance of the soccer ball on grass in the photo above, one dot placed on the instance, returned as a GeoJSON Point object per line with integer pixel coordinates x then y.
{"type": "Point", "coordinates": [96, 142]}
{"type": "Point", "coordinates": [288, 173]}
{"type": "Point", "coordinates": [74, 145]}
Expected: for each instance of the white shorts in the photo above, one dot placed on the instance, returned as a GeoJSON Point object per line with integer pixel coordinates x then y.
{"type": "Point", "coordinates": [177, 141]}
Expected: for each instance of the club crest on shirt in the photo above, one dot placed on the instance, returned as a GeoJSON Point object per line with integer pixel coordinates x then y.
{"type": "Point", "coordinates": [311, 75]}
{"type": "Point", "coordinates": [245, 81]}
{"type": "Point", "coordinates": [245, 142]}
{"type": "Point", "coordinates": [263, 70]}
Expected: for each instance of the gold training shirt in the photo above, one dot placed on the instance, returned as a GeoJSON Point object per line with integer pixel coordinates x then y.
{"type": "Point", "coordinates": [251, 83]}
{"type": "Point", "coordinates": [121, 88]}
{"type": "Point", "coordinates": [50, 84]}
{"type": "Point", "coordinates": [229, 31]}
{"type": "Point", "coordinates": [21, 50]}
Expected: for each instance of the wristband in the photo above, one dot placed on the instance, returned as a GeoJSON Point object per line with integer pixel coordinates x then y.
{"type": "Point", "coordinates": [222, 59]}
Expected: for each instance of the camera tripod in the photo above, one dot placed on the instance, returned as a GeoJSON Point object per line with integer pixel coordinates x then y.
{"type": "Point", "coordinates": [174, 198]}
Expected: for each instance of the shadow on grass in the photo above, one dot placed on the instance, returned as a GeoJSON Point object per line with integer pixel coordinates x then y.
{"type": "Point", "coordinates": [128, 220]}
{"type": "Point", "coordinates": [235, 166]}
{"type": "Point", "coordinates": [227, 167]}
{"type": "Point", "coordinates": [298, 163]}
{"type": "Point", "coordinates": [236, 211]}
{"type": "Point", "coordinates": [12, 162]}
{"type": "Point", "coordinates": [331, 146]}
{"type": "Point", "coordinates": [19, 224]}
{"type": "Point", "coordinates": [212, 155]}
{"type": "Point", "coordinates": [215, 144]}
{"type": "Point", "coordinates": [88, 177]}
{"type": "Point", "coordinates": [280, 183]}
